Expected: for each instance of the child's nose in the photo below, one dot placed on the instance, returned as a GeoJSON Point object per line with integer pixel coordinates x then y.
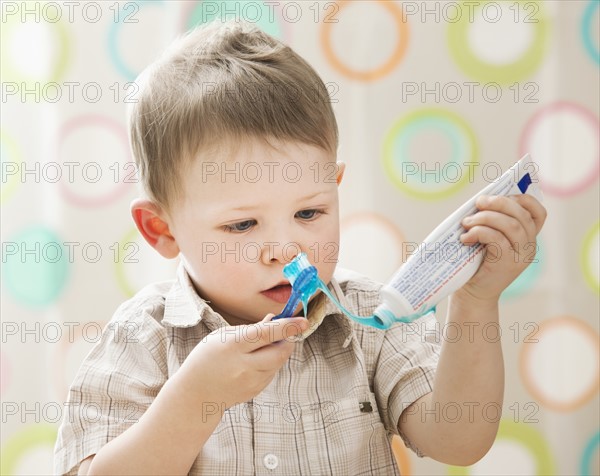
{"type": "Point", "coordinates": [280, 251]}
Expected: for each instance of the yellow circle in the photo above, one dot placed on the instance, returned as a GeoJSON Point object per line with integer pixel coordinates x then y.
{"type": "Point", "coordinates": [11, 73]}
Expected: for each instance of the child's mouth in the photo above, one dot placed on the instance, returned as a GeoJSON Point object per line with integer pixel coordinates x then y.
{"type": "Point", "coordinates": [280, 293]}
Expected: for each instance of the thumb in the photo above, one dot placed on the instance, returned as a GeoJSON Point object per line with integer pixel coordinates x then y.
{"type": "Point", "coordinates": [268, 317]}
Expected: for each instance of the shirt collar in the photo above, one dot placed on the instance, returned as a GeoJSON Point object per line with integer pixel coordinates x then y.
{"type": "Point", "coordinates": [185, 308]}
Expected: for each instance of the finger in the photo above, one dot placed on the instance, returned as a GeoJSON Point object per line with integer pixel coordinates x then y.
{"type": "Point", "coordinates": [271, 357]}
{"type": "Point", "coordinates": [264, 333]}
{"type": "Point", "coordinates": [536, 210]}
{"type": "Point", "coordinates": [268, 317]}
{"type": "Point", "coordinates": [509, 207]}
{"type": "Point", "coordinates": [496, 242]}
{"type": "Point", "coordinates": [505, 224]}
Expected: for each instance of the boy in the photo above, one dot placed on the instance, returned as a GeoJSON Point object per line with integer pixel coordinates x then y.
{"type": "Point", "coordinates": [235, 141]}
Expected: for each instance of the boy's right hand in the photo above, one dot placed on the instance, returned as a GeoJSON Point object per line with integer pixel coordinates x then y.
{"type": "Point", "coordinates": [233, 364]}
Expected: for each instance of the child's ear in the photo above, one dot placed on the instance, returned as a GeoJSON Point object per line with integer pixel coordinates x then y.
{"type": "Point", "coordinates": [341, 166]}
{"type": "Point", "coordinates": [155, 230]}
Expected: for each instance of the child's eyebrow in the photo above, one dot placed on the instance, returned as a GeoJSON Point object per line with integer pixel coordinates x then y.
{"type": "Point", "coordinates": [252, 207]}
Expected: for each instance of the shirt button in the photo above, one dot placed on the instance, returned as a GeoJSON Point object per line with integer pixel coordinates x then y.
{"type": "Point", "coordinates": [271, 461]}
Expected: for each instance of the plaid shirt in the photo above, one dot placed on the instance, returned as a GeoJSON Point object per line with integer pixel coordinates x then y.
{"type": "Point", "coordinates": [331, 409]}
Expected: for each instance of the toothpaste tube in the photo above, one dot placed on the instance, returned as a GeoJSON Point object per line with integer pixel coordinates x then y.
{"type": "Point", "coordinates": [442, 263]}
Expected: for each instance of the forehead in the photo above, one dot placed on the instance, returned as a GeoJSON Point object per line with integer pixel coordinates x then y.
{"type": "Point", "coordinates": [258, 161]}
{"type": "Point", "coordinates": [253, 149]}
{"type": "Point", "coordinates": [252, 168]}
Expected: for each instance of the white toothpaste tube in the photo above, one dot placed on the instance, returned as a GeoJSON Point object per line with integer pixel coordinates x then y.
{"type": "Point", "coordinates": [442, 263]}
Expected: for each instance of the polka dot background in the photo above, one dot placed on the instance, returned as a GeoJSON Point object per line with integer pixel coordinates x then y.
{"type": "Point", "coordinates": [433, 100]}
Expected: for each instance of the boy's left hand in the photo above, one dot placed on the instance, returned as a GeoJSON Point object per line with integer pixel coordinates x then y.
{"type": "Point", "coordinates": [508, 226]}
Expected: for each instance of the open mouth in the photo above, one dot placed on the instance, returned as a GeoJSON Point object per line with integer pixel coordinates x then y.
{"type": "Point", "coordinates": [280, 293]}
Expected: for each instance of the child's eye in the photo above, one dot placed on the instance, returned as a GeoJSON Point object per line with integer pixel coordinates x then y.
{"type": "Point", "coordinates": [240, 227]}
{"type": "Point", "coordinates": [309, 214]}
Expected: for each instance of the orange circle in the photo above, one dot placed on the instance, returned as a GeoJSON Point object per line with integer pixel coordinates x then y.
{"type": "Point", "coordinates": [362, 217]}
{"type": "Point", "coordinates": [525, 355]}
{"type": "Point", "coordinates": [386, 68]}
{"type": "Point", "coordinates": [401, 454]}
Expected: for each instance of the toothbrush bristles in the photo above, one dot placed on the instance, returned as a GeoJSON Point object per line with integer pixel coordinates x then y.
{"type": "Point", "coordinates": [293, 269]}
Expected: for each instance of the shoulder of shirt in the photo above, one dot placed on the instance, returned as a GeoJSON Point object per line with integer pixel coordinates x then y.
{"type": "Point", "coordinates": [362, 296]}
{"type": "Point", "coordinates": [353, 282]}
{"type": "Point", "coordinates": [148, 302]}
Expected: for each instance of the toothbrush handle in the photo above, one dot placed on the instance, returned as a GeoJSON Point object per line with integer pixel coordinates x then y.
{"type": "Point", "coordinates": [288, 310]}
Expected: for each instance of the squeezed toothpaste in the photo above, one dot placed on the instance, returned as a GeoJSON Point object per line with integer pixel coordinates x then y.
{"type": "Point", "coordinates": [442, 263]}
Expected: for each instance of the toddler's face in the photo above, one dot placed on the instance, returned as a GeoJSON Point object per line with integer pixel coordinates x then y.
{"type": "Point", "coordinates": [246, 215]}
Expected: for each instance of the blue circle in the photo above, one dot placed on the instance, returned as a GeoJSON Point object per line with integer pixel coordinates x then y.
{"type": "Point", "coordinates": [527, 279]}
{"type": "Point", "coordinates": [35, 266]}
{"type": "Point", "coordinates": [448, 130]}
{"type": "Point", "coordinates": [586, 30]}
{"type": "Point", "coordinates": [113, 48]}
{"type": "Point", "coordinates": [588, 452]}
{"type": "Point", "coordinates": [226, 8]}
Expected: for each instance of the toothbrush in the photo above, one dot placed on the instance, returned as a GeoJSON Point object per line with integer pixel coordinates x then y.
{"type": "Point", "coordinates": [304, 280]}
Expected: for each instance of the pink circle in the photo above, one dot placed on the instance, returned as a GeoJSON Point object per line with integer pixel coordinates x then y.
{"type": "Point", "coordinates": [4, 372]}
{"type": "Point", "coordinates": [117, 129]}
{"type": "Point", "coordinates": [526, 138]}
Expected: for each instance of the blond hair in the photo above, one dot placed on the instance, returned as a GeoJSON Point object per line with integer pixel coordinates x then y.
{"type": "Point", "coordinates": [222, 83]}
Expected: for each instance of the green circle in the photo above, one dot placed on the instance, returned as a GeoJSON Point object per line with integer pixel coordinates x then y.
{"type": "Point", "coordinates": [588, 453]}
{"type": "Point", "coordinates": [35, 266]}
{"type": "Point", "coordinates": [20, 443]}
{"type": "Point", "coordinates": [526, 280]}
{"type": "Point", "coordinates": [8, 148]}
{"type": "Point", "coordinates": [473, 66]}
{"type": "Point", "coordinates": [197, 17]}
{"type": "Point", "coordinates": [12, 74]}
{"type": "Point", "coordinates": [530, 438]}
{"type": "Point", "coordinates": [588, 241]}
{"type": "Point", "coordinates": [119, 268]}
{"type": "Point", "coordinates": [410, 131]}
{"type": "Point", "coordinates": [440, 118]}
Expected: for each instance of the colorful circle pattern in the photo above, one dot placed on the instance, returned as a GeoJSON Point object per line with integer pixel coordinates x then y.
{"type": "Point", "coordinates": [262, 15]}
{"type": "Point", "coordinates": [451, 125]}
{"type": "Point", "coordinates": [589, 257]}
{"type": "Point", "coordinates": [587, 23]}
{"type": "Point", "coordinates": [526, 436]}
{"type": "Point", "coordinates": [477, 68]}
{"type": "Point", "coordinates": [36, 266]}
{"type": "Point", "coordinates": [379, 72]}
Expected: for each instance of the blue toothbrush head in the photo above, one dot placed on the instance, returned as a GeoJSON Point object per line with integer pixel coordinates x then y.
{"type": "Point", "coordinates": [302, 275]}
{"type": "Point", "coordinates": [304, 279]}
{"type": "Point", "coordinates": [294, 268]}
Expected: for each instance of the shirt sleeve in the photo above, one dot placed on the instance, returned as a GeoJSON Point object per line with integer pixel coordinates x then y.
{"type": "Point", "coordinates": [114, 386]}
{"type": "Point", "coordinates": [405, 369]}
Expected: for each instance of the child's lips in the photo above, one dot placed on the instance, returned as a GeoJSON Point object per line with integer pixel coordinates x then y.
{"type": "Point", "coordinates": [280, 293]}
